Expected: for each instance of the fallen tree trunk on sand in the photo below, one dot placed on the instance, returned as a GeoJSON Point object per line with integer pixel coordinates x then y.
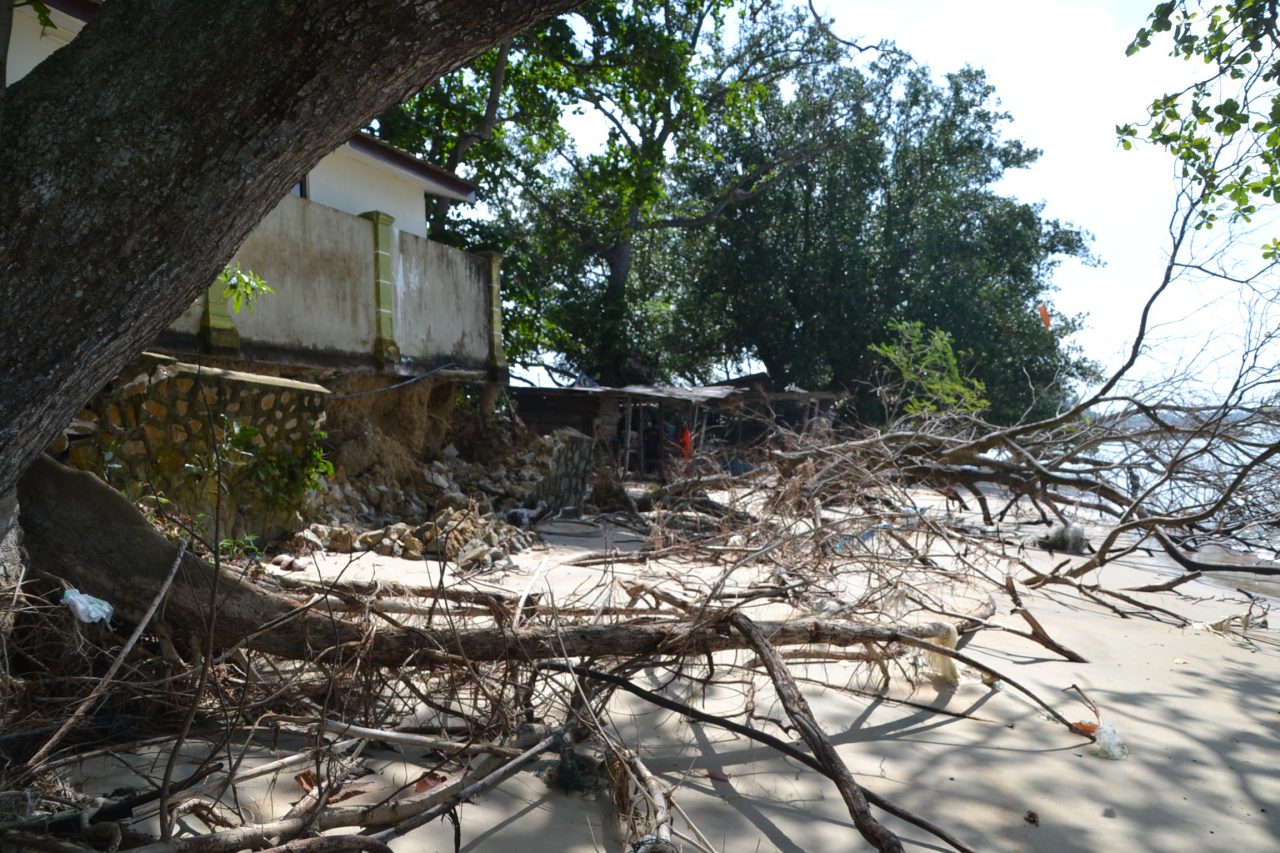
{"type": "Point", "coordinates": [78, 529]}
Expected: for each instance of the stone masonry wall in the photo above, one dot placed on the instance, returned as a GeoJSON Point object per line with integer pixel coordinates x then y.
{"type": "Point", "coordinates": [565, 484]}
{"type": "Point", "coordinates": [154, 430]}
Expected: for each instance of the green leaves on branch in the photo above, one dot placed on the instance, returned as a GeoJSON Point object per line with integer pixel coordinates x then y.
{"type": "Point", "coordinates": [926, 373]}
{"type": "Point", "coordinates": [42, 12]}
{"type": "Point", "coordinates": [242, 287]}
{"type": "Point", "coordinates": [1224, 129]}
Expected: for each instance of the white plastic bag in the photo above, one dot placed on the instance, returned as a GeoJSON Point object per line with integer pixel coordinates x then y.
{"type": "Point", "coordinates": [1110, 744]}
{"type": "Point", "coordinates": [86, 607]}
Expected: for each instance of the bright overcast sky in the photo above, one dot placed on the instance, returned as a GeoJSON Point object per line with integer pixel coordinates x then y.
{"type": "Point", "coordinates": [1059, 68]}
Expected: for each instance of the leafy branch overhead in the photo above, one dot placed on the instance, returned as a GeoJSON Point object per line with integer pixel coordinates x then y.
{"type": "Point", "coordinates": [1224, 128]}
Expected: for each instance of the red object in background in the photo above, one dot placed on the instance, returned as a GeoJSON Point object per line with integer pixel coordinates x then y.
{"type": "Point", "coordinates": [1044, 318]}
{"type": "Point", "coordinates": [686, 443]}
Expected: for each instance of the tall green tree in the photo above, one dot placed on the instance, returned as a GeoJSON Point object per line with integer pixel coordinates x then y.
{"type": "Point", "coordinates": [895, 220]}
{"type": "Point", "coordinates": [657, 76]}
{"type": "Point", "coordinates": [673, 73]}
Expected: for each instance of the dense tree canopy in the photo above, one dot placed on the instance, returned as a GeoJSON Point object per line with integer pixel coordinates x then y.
{"type": "Point", "coordinates": [755, 198]}
{"type": "Point", "coordinates": [896, 220]}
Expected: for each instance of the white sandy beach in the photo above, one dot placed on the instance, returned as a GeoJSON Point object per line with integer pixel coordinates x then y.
{"type": "Point", "coordinates": [1198, 709]}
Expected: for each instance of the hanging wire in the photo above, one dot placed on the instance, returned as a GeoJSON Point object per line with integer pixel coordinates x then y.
{"type": "Point", "coordinates": [406, 382]}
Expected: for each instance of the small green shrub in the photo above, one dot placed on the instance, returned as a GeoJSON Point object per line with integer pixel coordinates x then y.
{"type": "Point", "coordinates": [247, 476]}
{"type": "Point", "coordinates": [927, 372]}
{"type": "Point", "coordinates": [242, 287]}
{"type": "Point", "coordinates": [283, 478]}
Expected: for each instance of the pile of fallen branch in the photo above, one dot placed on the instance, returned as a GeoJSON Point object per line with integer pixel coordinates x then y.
{"type": "Point", "coordinates": [841, 550]}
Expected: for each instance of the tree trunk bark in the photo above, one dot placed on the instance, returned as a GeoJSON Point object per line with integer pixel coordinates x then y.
{"type": "Point", "coordinates": [79, 529]}
{"type": "Point", "coordinates": [6, 30]}
{"type": "Point", "coordinates": [613, 315]}
{"type": "Point", "coordinates": [138, 158]}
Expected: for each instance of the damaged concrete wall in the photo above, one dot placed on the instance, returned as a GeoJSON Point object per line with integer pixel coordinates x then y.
{"type": "Point", "coordinates": [153, 432]}
{"type": "Point", "coordinates": [554, 469]}
{"type": "Point", "coordinates": [442, 304]}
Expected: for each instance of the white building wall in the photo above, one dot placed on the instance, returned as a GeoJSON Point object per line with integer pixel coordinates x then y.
{"type": "Point", "coordinates": [30, 44]}
{"type": "Point", "coordinates": [347, 181]}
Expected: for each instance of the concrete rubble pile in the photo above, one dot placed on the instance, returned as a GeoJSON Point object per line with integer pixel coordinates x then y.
{"type": "Point", "coordinates": [463, 504]}
{"type": "Point", "coordinates": [476, 542]}
{"type": "Point", "coordinates": [550, 468]}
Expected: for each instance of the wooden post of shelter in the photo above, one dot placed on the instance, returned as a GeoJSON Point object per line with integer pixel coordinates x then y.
{"type": "Point", "coordinates": [662, 444]}
{"type": "Point", "coordinates": [642, 452]}
{"type": "Point", "coordinates": [626, 440]}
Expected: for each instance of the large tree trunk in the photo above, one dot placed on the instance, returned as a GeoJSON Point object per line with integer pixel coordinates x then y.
{"type": "Point", "coordinates": [615, 342]}
{"type": "Point", "coordinates": [76, 527]}
{"type": "Point", "coordinates": [137, 159]}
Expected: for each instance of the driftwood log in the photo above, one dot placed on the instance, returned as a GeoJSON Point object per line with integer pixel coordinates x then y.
{"type": "Point", "coordinates": [79, 530]}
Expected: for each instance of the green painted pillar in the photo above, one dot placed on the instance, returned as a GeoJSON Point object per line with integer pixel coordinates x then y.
{"type": "Point", "coordinates": [385, 348]}
{"type": "Point", "coordinates": [497, 355]}
{"type": "Point", "coordinates": [217, 326]}
{"type": "Point", "coordinates": [497, 378]}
